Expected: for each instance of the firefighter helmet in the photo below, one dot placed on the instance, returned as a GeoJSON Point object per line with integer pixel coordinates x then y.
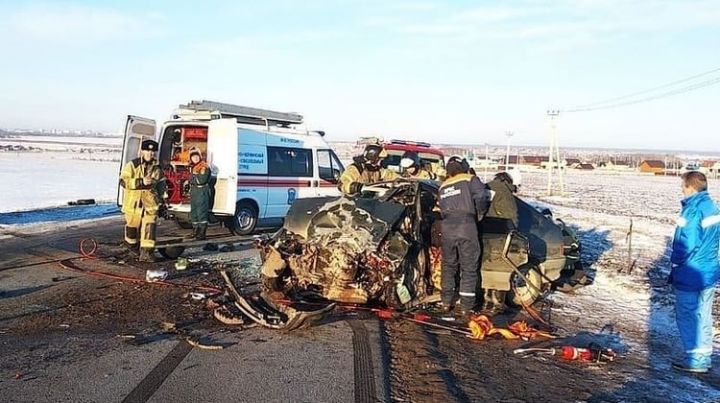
{"type": "Point", "coordinates": [462, 161]}
{"type": "Point", "coordinates": [374, 153]}
{"type": "Point", "coordinates": [410, 159]}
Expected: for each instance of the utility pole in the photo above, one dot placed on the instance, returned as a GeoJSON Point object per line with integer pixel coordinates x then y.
{"type": "Point", "coordinates": [554, 155]}
{"type": "Point", "coordinates": [487, 161]}
{"type": "Point", "coordinates": [509, 134]}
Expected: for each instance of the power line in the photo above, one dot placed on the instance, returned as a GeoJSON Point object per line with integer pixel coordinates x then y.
{"type": "Point", "coordinates": [676, 91]}
{"type": "Point", "coordinates": [612, 102]}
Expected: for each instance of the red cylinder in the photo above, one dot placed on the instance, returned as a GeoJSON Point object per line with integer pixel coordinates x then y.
{"type": "Point", "coordinates": [571, 353]}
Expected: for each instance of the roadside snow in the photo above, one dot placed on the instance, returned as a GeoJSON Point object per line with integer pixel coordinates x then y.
{"type": "Point", "coordinates": [39, 180]}
{"type": "Point", "coordinates": [630, 294]}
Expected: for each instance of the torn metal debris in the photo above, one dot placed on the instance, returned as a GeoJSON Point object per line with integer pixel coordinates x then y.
{"type": "Point", "coordinates": [383, 248]}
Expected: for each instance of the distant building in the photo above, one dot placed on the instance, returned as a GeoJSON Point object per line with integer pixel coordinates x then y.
{"type": "Point", "coordinates": [652, 166]}
{"type": "Point", "coordinates": [482, 163]}
{"type": "Point", "coordinates": [585, 167]}
{"type": "Point", "coordinates": [572, 162]}
{"type": "Point", "coordinates": [614, 165]}
{"type": "Point", "coordinates": [710, 168]}
{"type": "Point", "coordinates": [526, 161]}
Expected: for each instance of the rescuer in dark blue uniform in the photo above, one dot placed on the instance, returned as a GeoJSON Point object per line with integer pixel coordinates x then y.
{"type": "Point", "coordinates": [463, 202]}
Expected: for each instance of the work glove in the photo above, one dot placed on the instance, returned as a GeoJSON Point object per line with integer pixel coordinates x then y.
{"type": "Point", "coordinates": [356, 187]}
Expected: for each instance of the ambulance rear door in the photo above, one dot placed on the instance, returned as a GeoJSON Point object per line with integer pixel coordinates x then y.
{"type": "Point", "coordinates": [222, 149]}
{"type": "Point", "coordinates": [137, 130]}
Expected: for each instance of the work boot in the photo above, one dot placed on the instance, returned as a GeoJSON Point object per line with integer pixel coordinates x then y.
{"type": "Point", "coordinates": [681, 366]}
{"type": "Point", "coordinates": [191, 235]}
{"type": "Point", "coordinates": [133, 248]}
{"type": "Point", "coordinates": [493, 302]}
{"type": "Point", "coordinates": [200, 234]}
{"type": "Point", "coordinates": [464, 313]}
{"type": "Point", "coordinates": [147, 255]}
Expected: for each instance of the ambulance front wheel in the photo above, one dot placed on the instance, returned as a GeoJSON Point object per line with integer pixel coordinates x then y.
{"type": "Point", "coordinates": [245, 220]}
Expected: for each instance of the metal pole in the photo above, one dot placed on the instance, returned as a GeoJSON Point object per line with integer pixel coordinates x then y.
{"type": "Point", "coordinates": [554, 154]}
{"type": "Point", "coordinates": [509, 134]}
{"type": "Point", "coordinates": [559, 161]}
{"type": "Point", "coordinates": [487, 161]}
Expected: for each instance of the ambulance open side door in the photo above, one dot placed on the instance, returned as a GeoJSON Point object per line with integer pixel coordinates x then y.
{"type": "Point", "coordinates": [137, 130]}
{"type": "Point", "coordinates": [222, 150]}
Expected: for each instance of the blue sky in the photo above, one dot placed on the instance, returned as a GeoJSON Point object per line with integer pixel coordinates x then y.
{"type": "Point", "coordinates": [441, 71]}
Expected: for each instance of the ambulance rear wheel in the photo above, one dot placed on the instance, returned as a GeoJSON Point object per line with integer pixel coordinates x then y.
{"type": "Point", "coordinates": [245, 219]}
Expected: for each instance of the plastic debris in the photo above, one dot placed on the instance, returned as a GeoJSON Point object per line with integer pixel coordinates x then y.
{"type": "Point", "coordinates": [152, 276]}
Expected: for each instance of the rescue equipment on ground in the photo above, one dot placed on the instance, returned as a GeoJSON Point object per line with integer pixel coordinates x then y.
{"type": "Point", "coordinates": [592, 353]}
{"type": "Point", "coordinates": [481, 327]}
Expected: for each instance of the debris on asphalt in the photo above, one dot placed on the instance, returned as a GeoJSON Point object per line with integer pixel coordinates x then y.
{"type": "Point", "coordinates": [202, 346]}
{"type": "Point", "coordinates": [168, 326]}
{"type": "Point", "coordinates": [210, 247]}
{"type": "Point", "coordinates": [152, 276]}
{"type": "Point", "coordinates": [181, 264]}
{"type": "Point", "coordinates": [223, 315]}
{"type": "Point", "coordinates": [198, 296]}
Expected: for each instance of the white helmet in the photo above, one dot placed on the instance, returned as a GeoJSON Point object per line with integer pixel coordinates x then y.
{"type": "Point", "coordinates": [516, 176]}
{"type": "Point", "coordinates": [406, 163]}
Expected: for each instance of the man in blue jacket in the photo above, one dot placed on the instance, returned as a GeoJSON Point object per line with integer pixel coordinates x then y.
{"type": "Point", "coordinates": [695, 271]}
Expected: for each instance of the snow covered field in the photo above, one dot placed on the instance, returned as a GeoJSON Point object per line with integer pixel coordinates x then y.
{"type": "Point", "coordinates": [109, 141]}
{"type": "Point", "coordinates": [39, 180]}
{"type": "Point", "coordinates": [630, 297]}
{"type": "Point", "coordinates": [629, 304]}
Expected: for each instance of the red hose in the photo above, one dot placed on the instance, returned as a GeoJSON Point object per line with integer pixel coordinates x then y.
{"type": "Point", "coordinates": [90, 254]}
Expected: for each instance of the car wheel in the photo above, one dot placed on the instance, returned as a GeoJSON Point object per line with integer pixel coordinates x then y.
{"type": "Point", "coordinates": [171, 252]}
{"type": "Point", "coordinates": [245, 219]}
{"type": "Point", "coordinates": [523, 293]}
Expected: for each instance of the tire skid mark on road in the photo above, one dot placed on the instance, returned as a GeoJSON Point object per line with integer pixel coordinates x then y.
{"type": "Point", "coordinates": [362, 363]}
{"type": "Point", "coordinates": [152, 382]}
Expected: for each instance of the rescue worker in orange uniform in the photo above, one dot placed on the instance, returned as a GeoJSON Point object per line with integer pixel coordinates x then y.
{"type": "Point", "coordinates": [144, 191]}
{"type": "Point", "coordinates": [199, 194]}
{"type": "Point", "coordinates": [365, 170]}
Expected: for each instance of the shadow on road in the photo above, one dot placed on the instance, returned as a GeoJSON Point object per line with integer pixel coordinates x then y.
{"type": "Point", "coordinates": [657, 380]}
{"type": "Point", "coordinates": [22, 291]}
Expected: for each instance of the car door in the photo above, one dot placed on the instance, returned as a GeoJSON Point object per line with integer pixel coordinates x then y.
{"type": "Point", "coordinates": [137, 130]}
{"type": "Point", "coordinates": [329, 170]}
{"type": "Point", "coordinates": [222, 157]}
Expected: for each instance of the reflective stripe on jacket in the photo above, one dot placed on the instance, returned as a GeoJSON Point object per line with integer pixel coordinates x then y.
{"type": "Point", "coordinates": [463, 195]}
{"type": "Point", "coordinates": [131, 179]}
{"type": "Point", "coordinates": [355, 174]}
{"type": "Point", "coordinates": [694, 258]}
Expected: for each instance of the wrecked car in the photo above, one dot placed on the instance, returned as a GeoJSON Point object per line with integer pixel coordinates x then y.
{"type": "Point", "coordinates": [383, 247]}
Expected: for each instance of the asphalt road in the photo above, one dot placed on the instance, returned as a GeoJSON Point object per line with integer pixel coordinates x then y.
{"type": "Point", "coordinates": [340, 361]}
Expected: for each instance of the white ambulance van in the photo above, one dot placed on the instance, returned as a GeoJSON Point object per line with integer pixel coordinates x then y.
{"type": "Point", "coordinates": [261, 161]}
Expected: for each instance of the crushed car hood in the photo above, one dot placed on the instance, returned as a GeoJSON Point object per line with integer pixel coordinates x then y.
{"type": "Point", "coordinates": [371, 219]}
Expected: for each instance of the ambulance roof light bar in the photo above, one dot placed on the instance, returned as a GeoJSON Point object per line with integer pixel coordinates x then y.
{"type": "Point", "coordinates": [244, 114]}
{"type": "Point", "coordinates": [411, 143]}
